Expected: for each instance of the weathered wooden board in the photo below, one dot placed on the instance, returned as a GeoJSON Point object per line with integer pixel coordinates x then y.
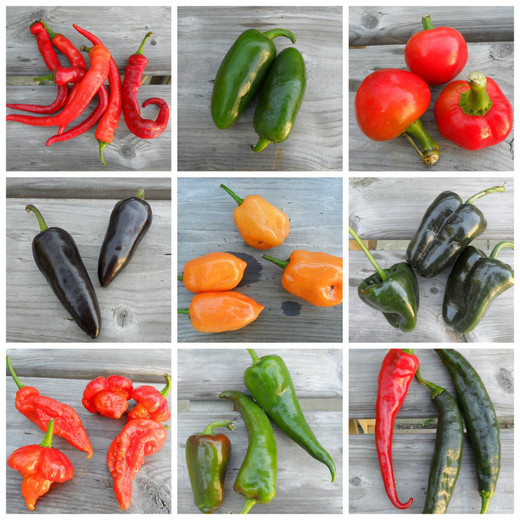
{"type": "Point", "coordinates": [412, 455]}
{"type": "Point", "coordinates": [495, 367]}
{"type": "Point", "coordinates": [316, 140]}
{"type": "Point", "coordinates": [205, 224]}
{"type": "Point", "coordinates": [63, 375]}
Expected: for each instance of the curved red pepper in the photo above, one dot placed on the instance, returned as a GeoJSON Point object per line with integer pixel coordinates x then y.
{"type": "Point", "coordinates": [152, 404]}
{"type": "Point", "coordinates": [109, 397]}
{"type": "Point", "coordinates": [397, 371]}
{"type": "Point", "coordinates": [63, 75]}
{"type": "Point", "coordinates": [474, 114]}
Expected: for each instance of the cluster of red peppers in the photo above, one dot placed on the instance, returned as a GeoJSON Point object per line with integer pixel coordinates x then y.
{"type": "Point", "coordinates": [143, 435]}
{"type": "Point", "coordinates": [87, 83]}
{"type": "Point", "coordinates": [473, 114]}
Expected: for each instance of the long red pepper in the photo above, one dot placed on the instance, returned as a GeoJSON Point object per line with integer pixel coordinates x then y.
{"type": "Point", "coordinates": [397, 371]}
{"type": "Point", "coordinates": [108, 123]}
{"type": "Point", "coordinates": [143, 128]}
{"type": "Point", "coordinates": [63, 75]}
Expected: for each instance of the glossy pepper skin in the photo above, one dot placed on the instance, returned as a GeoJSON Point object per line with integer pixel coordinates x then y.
{"type": "Point", "coordinates": [125, 456]}
{"type": "Point", "coordinates": [315, 277]}
{"type": "Point", "coordinates": [108, 397]}
{"type": "Point", "coordinates": [447, 227]}
{"type": "Point", "coordinates": [241, 73]}
{"type": "Point", "coordinates": [40, 409]}
{"type": "Point", "coordinates": [475, 281]}
{"type": "Point", "coordinates": [280, 99]}
{"type": "Point", "coordinates": [262, 225]}
{"type": "Point", "coordinates": [256, 479]}
{"type": "Point", "coordinates": [58, 259]}
{"type": "Point", "coordinates": [129, 222]}
{"type": "Point", "coordinates": [397, 371]}
{"type": "Point", "coordinates": [222, 311]}
{"type": "Point", "coordinates": [270, 384]}
{"type": "Point", "coordinates": [151, 404]}
{"type": "Point", "coordinates": [474, 114]}
{"type": "Point", "coordinates": [40, 465]}
{"type": "Point", "coordinates": [213, 272]}
{"type": "Point", "coordinates": [207, 458]}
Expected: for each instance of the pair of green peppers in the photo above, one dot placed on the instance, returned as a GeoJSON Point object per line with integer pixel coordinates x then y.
{"type": "Point", "coordinates": [249, 61]}
{"type": "Point", "coordinates": [443, 238]}
{"type": "Point", "coordinates": [207, 455]}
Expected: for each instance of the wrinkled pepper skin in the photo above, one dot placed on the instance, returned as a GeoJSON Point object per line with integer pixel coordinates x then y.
{"type": "Point", "coordinates": [256, 479]}
{"type": "Point", "coordinates": [207, 458]}
{"type": "Point", "coordinates": [151, 403]}
{"type": "Point", "coordinates": [447, 227]}
{"type": "Point", "coordinates": [213, 272]}
{"type": "Point", "coordinates": [129, 222]}
{"type": "Point", "coordinates": [108, 396]}
{"type": "Point", "coordinates": [271, 386]}
{"type": "Point", "coordinates": [241, 73]}
{"type": "Point", "coordinates": [280, 99]}
{"type": "Point", "coordinates": [475, 281]}
{"type": "Point", "coordinates": [397, 297]}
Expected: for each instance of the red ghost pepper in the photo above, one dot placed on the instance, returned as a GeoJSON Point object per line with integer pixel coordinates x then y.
{"type": "Point", "coordinates": [151, 404]}
{"type": "Point", "coordinates": [109, 397]}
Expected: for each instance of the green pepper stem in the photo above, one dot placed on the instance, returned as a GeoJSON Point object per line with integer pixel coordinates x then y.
{"type": "Point", "coordinates": [41, 221]}
{"type": "Point", "coordinates": [141, 47]}
{"type": "Point", "coordinates": [254, 356]}
{"type": "Point", "coordinates": [180, 277]}
{"type": "Point", "coordinates": [166, 390]}
{"type": "Point", "coordinates": [13, 373]}
{"type": "Point", "coordinates": [218, 424]}
{"type": "Point", "coordinates": [429, 151]}
{"type": "Point", "coordinates": [365, 250]}
{"type": "Point", "coordinates": [486, 497]}
{"type": "Point", "coordinates": [49, 77]}
{"type": "Point", "coordinates": [250, 502]}
{"type": "Point", "coordinates": [85, 48]}
{"type": "Point", "coordinates": [102, 146]}
{"type": "Point", "coordinates": [427, 22]}
{"type": "Point", "coordinates": [183, 311]}
{"type": "Point", "coordinates": [273, 33]}
{"type": "Point", "coordinates": [52, 34]}
{"type": "Point", "coordinates": [499, 246]}
{"type": "Point", "coordinates": [483, 193]}
{"type": "Point", "coordinates": [476, 100]}
{"type": "Point", "coordinates": [435, 389]}
{"type": "Point", "coordinates": [140, 193]}
{"type": "Point", "coordinates": [407, 350]}
{"type": "Point", "coordinates": [238, 200]}
{"type": "Point", "coordinates": [47, 440]}
{"type": "Point", "coordinates": [261, 145]}
{"type": "Point", "coordinates": [280, 263]}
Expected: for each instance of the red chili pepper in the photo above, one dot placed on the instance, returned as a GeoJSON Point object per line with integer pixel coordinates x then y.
{"type": "Point", "coordinates": [151, 404]}
{"type": "Point", "coordinates": [94, 78]}
{"type": "Point", "coordinates": [109, 397]}
{"type": "Point", "coordinates": [41, 409]}
{"type": "Point", "coordinates": [63, 75]}
{"type": "Point", "coordinates": [51, 60]}
{"type": "Point", "coordinates": [108, 124]}
{"type": "Point", "coordinates": [437, 54]}
{"type": "Point", "coordinates": [474, 114]}
{"type": "Point", "coordinates": [143, 128]}
{"type": "Point", "coordinates": [397, 371]}
{"type": "Point", "coordinates": [139, 438]}
{"type": "Point", "coordinates": [40, 465]}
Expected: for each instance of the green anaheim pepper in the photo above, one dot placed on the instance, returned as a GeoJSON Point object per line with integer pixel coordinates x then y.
{"type": "Point", "coordinates": [241, 72]}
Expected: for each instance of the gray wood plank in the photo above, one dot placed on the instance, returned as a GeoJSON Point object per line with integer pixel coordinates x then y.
{"type": "Point", "coordinates": [412, 455]}
{"type": "Point", "coordinates": [205, 224]}
{"type": "Point", "coordinates": [316, 140]}
{"type": "Point", "coordinates": [495, 367]}
{"type": "Point", "coordinates": [128, 312]}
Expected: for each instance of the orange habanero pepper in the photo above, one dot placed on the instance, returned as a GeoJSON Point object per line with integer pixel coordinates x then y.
{"type": "Point", "coordinates": [315, 277]}
{"type": "Point", "coordinates": [221, 311]}
{"type": "Point", "coordinates": [213, 272]}
{"type": "Point", "coordinates": [261, 224]}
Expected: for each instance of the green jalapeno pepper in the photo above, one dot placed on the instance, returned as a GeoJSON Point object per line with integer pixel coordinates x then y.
{"type": "Point", "coordinates": [241, 72]}
{"type": "Point", "coordinates": [280, 99]}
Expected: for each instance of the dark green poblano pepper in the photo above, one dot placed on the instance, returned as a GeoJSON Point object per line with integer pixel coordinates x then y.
{"type": "Point", "coordinates": [473, 284]}
{"type": "Point", "coordinates": [269, 381]}
{"type": "Point", "coordinates": [393, 291]}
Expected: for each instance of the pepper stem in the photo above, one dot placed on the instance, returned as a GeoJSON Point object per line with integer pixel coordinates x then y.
{"type": "Point", "coordinates": [365, 250]}
{"type": "Point", "coordinates": [49, 77]}
{"type": "Point", "coordinates": [483, 193]}
{"type": "Point", "coordinates": [261, 145]}
{"type": "Point", "coordinates": [218, 424]}
{"type": "Point", "coordinates": [427, 22]}
{"type": "Point", "coordinates": [141, 47]}
{"type": "Point", "coordinates": [85, 48]}
{"type": "Point", "coordinates": [238, 200]}
{"type": "Point", "coordinates": [13, 373]}
{"type": "Point", "coordinates": [429, 151]}
{"type": "Point", "coordinates": [273, 33]}
{"type": "Point", "coordinates": [180, 277]}
{"type": "Point", "coordinates": [102, 146]}
{"type": "Point", "coordinates": [486, 497]}
{"type": "Point", "coordinates": [29, 208]}
{"type": "Point", "coordinates": [47, 440]}
{"type": "Point", "coordinates": [250, 502]}
{"type": "Point", "coordinates": [166, 390]}
{"type": "Point", "coordinates": [435, 389]}
{"type": "Point", "coordinates": [183, 311]}
{"type": "Point", "coordinates": [254, 356]}
{"type": "Point", "coordinates": [476, 100]}
{"type": "Point", "coordinates": [499, 246]}
{"type": "Point", "coordinates": [407, 350]}
{"type": "Point", "coordinates": [280, 263]}
{"type": "Point", "coordinates": [140, 193]}
{"type": "Point", "coordinates": [52, 34]}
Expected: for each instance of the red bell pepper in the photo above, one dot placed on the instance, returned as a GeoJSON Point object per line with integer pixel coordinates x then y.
{"type": "Point", "coordinates": [389, 103]}
{"type": "Point", "coordinates": [474, 114]}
